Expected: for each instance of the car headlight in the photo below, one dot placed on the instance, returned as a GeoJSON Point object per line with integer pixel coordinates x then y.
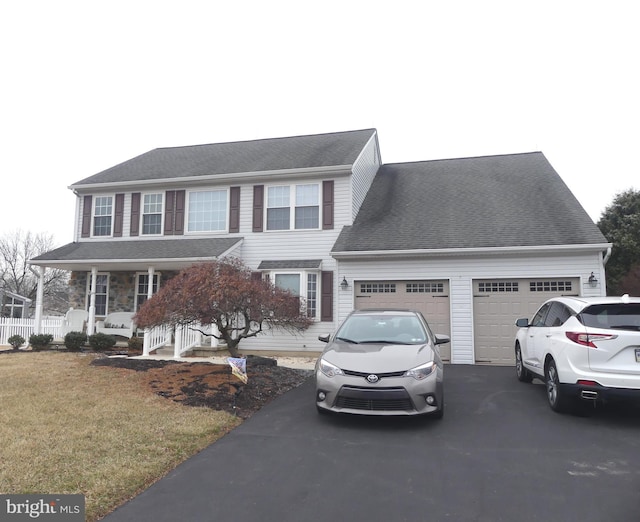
{"type": "Point", "coordinates": [422, 371]}
{"type": "Point", "coordinates": [330, 370]}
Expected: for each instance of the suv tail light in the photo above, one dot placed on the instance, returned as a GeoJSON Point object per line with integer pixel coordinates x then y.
{"type": "Point", "coordinates": [586, 339]}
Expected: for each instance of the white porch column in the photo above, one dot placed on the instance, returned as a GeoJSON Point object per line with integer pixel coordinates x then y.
{"type": "Point", "coordinates": [146, 345]}
{"type": "Point", "coordinates": [214, 340]}
{"type": "Point", "coordinates": [178, 341]}
{"type": "Point", "coordinates": [91, 324]}
{"type": "Point", "coordinates": [39, 300]}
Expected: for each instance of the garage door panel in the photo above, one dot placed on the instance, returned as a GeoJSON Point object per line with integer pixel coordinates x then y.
{"type": "Point", "coordinates": [498, 303]}
{"type": "Point", "coordinates": [429, 297]}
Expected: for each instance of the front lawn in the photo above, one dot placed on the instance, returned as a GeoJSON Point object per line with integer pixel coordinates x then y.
{"type": "Point", "coordinates": [69, 427]}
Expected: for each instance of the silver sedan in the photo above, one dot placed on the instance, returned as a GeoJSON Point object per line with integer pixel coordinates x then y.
{"type": "Point", "coordinates": [381, 362]}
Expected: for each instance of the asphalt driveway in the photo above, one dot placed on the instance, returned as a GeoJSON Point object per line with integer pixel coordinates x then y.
{"type": "Point", "coordinates": [499, 454]}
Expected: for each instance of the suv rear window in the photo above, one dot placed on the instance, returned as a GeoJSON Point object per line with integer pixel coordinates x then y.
{"type": "Point", "coordinates": [614, 316]}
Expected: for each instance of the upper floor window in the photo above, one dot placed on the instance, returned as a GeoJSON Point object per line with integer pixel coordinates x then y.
{"type": "Point", "coordinates": [207, 211]}
{"type": "Point", "coordinates": [294, 207]}
{"type": "Point", "coordinates": [102, 216]}
{"type": "Point", "coordinates": [152, 214]}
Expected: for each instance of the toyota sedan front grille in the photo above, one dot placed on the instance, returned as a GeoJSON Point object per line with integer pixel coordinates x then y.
{"type": "Point", "coordinates": [380, 399]}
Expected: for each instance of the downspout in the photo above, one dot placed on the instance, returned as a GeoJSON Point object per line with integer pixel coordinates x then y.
{"type": "Point", "coordinates": [606, 257]}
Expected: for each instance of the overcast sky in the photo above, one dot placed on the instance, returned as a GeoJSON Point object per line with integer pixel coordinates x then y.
{"type": "Point", "coordinates": [87, 85]}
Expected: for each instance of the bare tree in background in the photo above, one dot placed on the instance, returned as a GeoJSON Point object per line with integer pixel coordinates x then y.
{"type": "Point", "coordinates": [15, 251]}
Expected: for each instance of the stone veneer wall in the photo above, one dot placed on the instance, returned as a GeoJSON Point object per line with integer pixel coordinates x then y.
{"type": "Point", "coordinates": [122, 290]}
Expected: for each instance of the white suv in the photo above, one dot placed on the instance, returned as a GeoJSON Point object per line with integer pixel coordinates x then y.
{"type": "Point", "coordinates": [582, 348]}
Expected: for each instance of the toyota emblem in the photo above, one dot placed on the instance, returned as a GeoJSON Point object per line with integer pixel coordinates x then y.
{"type": "Point", "coordinates": [372, 378]}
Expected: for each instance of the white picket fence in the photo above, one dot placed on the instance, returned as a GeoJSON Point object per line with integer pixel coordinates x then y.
{"type": "Point", "coordinates": [25, 327]}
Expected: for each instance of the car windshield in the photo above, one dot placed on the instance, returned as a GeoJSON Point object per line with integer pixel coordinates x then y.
{"type": "Point", "coordinates": [612, 316]}
{"type": "Point", "coordinates": [396, 329]}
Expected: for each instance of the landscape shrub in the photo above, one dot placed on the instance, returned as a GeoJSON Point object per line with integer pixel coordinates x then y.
{"type": "Point", "coordinates": [16, 341]}
{"type": "Point", "coordinates": [135, 344]}
{"type": "Point", "coordinates": [101, 341]}
{"type": "Point", "coordinates": [74, 341]}
{"type": "Point", "coordinates": [40, 341]}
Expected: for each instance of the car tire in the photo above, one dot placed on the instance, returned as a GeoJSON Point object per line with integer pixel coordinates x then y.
{"type": "Point", "coordinates": [522, 373]}
{"type": "Point", "coordinates": [558, 400]}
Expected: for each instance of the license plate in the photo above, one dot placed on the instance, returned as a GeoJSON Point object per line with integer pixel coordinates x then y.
{"type": "Point", "coordinates": [638, 355]}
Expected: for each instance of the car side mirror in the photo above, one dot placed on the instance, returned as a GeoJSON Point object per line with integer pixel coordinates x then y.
{"type": "Point", "coordinates": [522, 323]}
{"type": "Point", "coordinates": [442, 339]}
{"type": "Point", "coordinates": [324, 338]}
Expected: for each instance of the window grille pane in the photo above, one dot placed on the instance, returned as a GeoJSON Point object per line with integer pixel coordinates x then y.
{"type": "Point", "coordinates": [378, 288]}
{"type": "Point", "coordinates": [312, 295]}
{"type": "Point", "coordinates": [307, 195]}
{"type": "Point", "coordinates": [307, 217]}
{"type": "Point", "coordinates": [278, 197]}
{"type": "Point", "coordinates": [152, 224]}
{"type": "Point", "coordinates": [278, 219]}
{"type": "Point", "coordinates": [208, 211]}
{"type": "Point", "coordinates": [498, 286]}
{"type": "Point", "coordinates": [550, 286]}
{"type": "Point", "coordinates": [425, 288]}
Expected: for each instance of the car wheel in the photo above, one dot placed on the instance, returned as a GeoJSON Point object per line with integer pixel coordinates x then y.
{"type": "Point", "coordinates": [522, 373]}
{"type": "Point", "coordinates": [557, 399]}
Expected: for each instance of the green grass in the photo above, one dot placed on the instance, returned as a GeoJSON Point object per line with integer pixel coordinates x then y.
{"type": "Point", "coordinates": [69, 427]}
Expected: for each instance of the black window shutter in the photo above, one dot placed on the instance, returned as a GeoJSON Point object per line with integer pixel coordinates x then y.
{"type": "Point", "coordinates": [258, 207]}
{"type": "Point", "coordinates": [234, 209]}
{"type": "Point", "coordinates": [327, 205]}
{"type": "Point", "coordinates": [86, 216]}
{"type": "Point", "coordinates": [118, 216]}
{"type": "Point", "coordinates": [134, 226]}
{"type": "Point", "coordinates": [326, 296]}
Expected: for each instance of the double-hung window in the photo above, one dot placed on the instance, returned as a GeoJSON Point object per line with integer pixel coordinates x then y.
{"type": "Point", "coordinates": [303, 285]}
{"type": "Point", "coordinates": [208, 211]}
{"type": "Point", "coordinates": [152, 214]}
{"type": "Point", "coordinates": [142, 288]}
{"type": "Point", "coordinates": [102, 215]}
{"type": "Point", "coordinates": [293, 207]}
{"type": "Point", "coordinates": [102, 293]}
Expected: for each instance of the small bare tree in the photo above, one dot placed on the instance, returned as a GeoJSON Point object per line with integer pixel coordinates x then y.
{"type": "Point", "coordinates": [224, 293]}
{"type": "Point", "coordinates": [15, 251]}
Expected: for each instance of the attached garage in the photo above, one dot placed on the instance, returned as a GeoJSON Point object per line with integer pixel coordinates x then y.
{"type": "Point", "coordinates": [497, 303]}
{"type": "Point", "coordinates": [429, 297]}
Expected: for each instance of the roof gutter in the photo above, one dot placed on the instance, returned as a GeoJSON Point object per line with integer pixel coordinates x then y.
{"type": "Point", "coordinates": [442, 252]}
{"type": "Point", "coordinates": [334, 170]}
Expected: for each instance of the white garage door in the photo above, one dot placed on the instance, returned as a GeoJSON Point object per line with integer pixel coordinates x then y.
{"type": "Point", "coordinates": [498, 303]}
{"type": "Point", "coordinates": [429, 297]}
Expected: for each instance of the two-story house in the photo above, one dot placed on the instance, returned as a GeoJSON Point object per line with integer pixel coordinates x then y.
{"type": "Point", "coordinates": [474, 243]}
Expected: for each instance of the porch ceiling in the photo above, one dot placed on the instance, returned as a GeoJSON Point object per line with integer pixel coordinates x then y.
{"type": "Point", "coordinates": [166, 254]}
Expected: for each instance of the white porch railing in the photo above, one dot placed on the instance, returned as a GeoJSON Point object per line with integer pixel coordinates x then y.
{"type": "Point", "coordinates": [25, 327]}
{"type": "Point", "coordinates": [184, 339]}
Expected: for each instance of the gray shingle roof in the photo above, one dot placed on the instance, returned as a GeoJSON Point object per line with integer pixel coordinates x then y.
{"type": "Point", "coordinates": [298, 152]}
{"type": "Point", "coordinates": [483, 202]}
{"type": "Point", "coordinates": [288, 264]}
{"type": "Point", "coordinates": [139, 250]}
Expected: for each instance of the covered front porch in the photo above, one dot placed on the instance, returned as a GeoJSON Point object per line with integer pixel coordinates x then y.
{"type": "Point", "coordinates": [111, 279]}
